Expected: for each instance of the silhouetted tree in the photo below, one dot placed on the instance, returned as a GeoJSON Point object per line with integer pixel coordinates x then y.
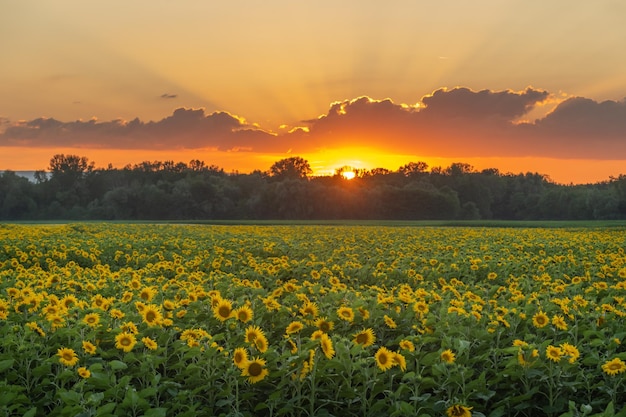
{"type": "Point", "coordinates": [291, 168]}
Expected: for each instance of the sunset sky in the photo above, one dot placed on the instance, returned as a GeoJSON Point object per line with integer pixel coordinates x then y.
{"type": "Point", "coordinates": [520, 86]}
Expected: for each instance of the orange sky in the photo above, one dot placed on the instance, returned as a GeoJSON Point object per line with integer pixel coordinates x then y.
{"type": "Point", "coordinates": [519, 86]}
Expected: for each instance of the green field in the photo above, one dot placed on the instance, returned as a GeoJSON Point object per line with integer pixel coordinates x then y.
{"type": "Point", "coordinates": [303, 319]}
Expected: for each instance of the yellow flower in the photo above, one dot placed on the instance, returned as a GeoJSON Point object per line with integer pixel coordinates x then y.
{"type": "Point", "coordinates": [117, 314]}
{"type": "Point", "coordinates": [420, 308]}
{"type": "Point", "coordinates": [255, 370]}
{"type": "Point", "coordinates": [261, 343]}
{"type": "Point", "coordinates": [89, 347]}
{"type": "Point", "coordinates": [400, 360]}
{"type": "Point", "coordinates": [571, 351]}
{"type": "Point", "coordinates": [390, 322]}
{"type": "Point", "coordinates": [407, 345]}
{"type": "Point", "coordinates": [365, 338]}
{"type": "Point", "coordinates": [614, 366]}
{"type": "Point", "coordinates": [223, 310]}
{"type": "Point", "coordinates": [244, 314]}
{"type": "Point", "coordinates": [384, 358]}
{"type": "Point", "coordinates": [67, 356]}
{"type": "Point", "coordinates": [83, 372]}
{"type": "Point", "coordinates": [252, 333]}
{"type": "Point", "coordinates": [346, 314]}
{"type": "Point", "coordinates": [324, 325]}
{"type": "Point", "coordinates": [147, 293]}
{"type": "Point", "coordinates": [540, 320]}
{"type": "Point", "coordinates": [554, 353]}
{"type": "Point", "coordinates": [327, 346]}
{"type": "Point", "coordinates": [91, 319]}
{"type": "Point", "coordinates": [294, 327]}
{"type": "Point", "coordinates": [125, 341]}
{"type": "Point", "coordinates": [458, 410]}
{"type": "Point", "coordinates": [559, 322]}
{"type": "Point", "coordinates": [448, 356]}
{"type": "Point", "coordinates": [149, 343]}
{"type": "Point", "coordinates": [240, 357]}
{"type": "Point", "coordinates": [309, 309]}
{"type": "Point", "coordinates": [151, 315]}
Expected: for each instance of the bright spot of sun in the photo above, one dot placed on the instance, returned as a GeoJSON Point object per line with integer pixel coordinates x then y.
{"type": "Point", "coordinates": [348, 175]}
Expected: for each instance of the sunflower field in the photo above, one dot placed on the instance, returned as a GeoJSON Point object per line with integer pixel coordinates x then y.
{"type": "Point", "coordinates": [311, 320]}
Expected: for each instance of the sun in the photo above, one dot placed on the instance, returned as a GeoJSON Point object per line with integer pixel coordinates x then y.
{"type": "Point", "coordinates": [348, 175]}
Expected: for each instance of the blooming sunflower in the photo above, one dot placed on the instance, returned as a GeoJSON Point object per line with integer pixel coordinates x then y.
{"type": "Point", "coordinates": [400, 360]}
{"type": "Point", "coordinates": [309, 309]}
{"type": "Point", "coordinates": [252, 333]}
{"type": "Point", "coordinates": [89, 347]}
{"type": "Point", "coordinates": [255, 370]}
{"type": "Point", "coordinates": [459, 410]}
{"type": "Point", "coordinates": [149, 343]}
{"type": "Point", "coordinates": [223, 310]}
{"type": "Point", "coordinates": [554, 353]}
{"type": "Point", "coordinates": [294, 327]}
{"type": "Point", "coordinates": [261, 343]}
{"type": "Point", "coordinates": [67, 356]}
{"type": "Point", "coordinates": [244, 314]}
{"type": "Point", "coordinates": [151, 315]}
{"type": "Point", "coordinates": [407, 345]}
{"type": "Point", "coordinates": [448, 356]}
{"type": "Point", "coordinates": [614, 366]}
{"type": "Point", "coordinates": [365, 337]}
{"type": "Point", "coordinates": [540, 320]}
{"type": "Point", "coordinates": [421, 308]}
{"type": "Point", "coordinates": [559, 322]}
{"type": "Point", "coordinates": [324, 325]}
{"type": "Point", "coordinates": [83, 372]}
{"type": "Point", "coordinates": [240, 357]}
{"type": "Point", "coordinates": [384, 358]}
{"type": "Point", "coordinates": [346, 314]}
{"type": "Point", "coordinates": [147, 293]}
{"type": "Point", "coordinates": [390, 322]}
{"type": "Point", "coordinates": [91, 319]}
{"type": "Point", "coordinates": [327, 346]}
{"type": "Point", "coordinates": [571, 351]}
{"type": "Point", "coordinates": [125, 341]}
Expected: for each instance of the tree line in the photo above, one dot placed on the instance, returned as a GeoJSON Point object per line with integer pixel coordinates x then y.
{"type": "Point", "coordinates": [72, 188]}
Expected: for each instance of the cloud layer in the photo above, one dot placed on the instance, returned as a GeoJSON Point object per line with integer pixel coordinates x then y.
{"type": "Point", "coordinates": [447, 123]}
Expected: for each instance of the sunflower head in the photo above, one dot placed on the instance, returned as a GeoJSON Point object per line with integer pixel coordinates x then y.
{"type": "Point", "coordinates": [255, 370]}
{"type": "Point", "coordinates": [223, 310]}
{"type": "Point", "coordinates": [67, 356]}
{"type": "Point", "coordinates": [384, 358]}
{"type": "Point", "coordinates": [365, 337]}
{"type": "Point", "coordinates": [240, 357]}
{"type": "Point", "coordinates": [448, 356]}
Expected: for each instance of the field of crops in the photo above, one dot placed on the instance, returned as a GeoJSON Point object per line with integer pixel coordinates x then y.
{"type": "Point", "coordinates": [201, 320]}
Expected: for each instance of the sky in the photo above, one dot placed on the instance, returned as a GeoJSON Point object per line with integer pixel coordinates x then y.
{"type": "Point", "coordinates": [521, 86]}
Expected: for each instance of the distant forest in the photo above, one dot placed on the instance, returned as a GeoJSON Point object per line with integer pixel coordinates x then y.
{"type": "Point", "coordinates": [73, 189]}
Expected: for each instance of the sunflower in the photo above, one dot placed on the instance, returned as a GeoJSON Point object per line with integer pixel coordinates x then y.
{"type": "Point", "coordinates": [149, 343]}
{"type": "Point", "coordinates": [346, 314]}
{"type": "Point", "coordinates": [324, 325]}
{"type": "Point", "coordinates": [244, 314]}
{"type": "Point", "coordinates": [571, 351]}
{"type": "Point", "coordinates": [91, 319]}
{"type": "Point", "coordinates": [125, 341]}
{"type": "Point", "coordinates": [390, 322]}
{"type": "Point", "coordinates": [559, 322]}
{"type": "Point", "coordinates": [540, 320]}
{"type": "Point", "coordinates": [240, 357]}
{"type": "Point", "coordinates": [67, 356]}
{"type": "Point", "coordinates": [252, 333]}
{"type": "Point", "coordinates": [147, 293]}
{"type": "Point", "coordinates": [116, 313]}
{"type": "Point", "coordinates": [384, 358]}
{"type": "Point", "coordinates": [294, 327]}
{"type": "Point", "coordinates": [407, 345]}
{"type": "Point", "coordinates": [420, 308]}
{"type": "Point", "coordinates": [614, 366]}
{"type": "Point", "coordinates": [89, 347]}
{"type": "Point", "coordinates": [129, 326]}
{"type": "Point", "coordinates": [554, 353]}
{"type": "Point", "coordinates": [400, 360]}
{"type": "Point", "coordinates": [152, 315]}
{"type": "Point", "coordinates": [327, 346]}
{"type": "Point", "coordinates": [83, 372]}
{"type": "Point", "coordinates": [309, 309]}
{"type": "Point", "coordinates": [261, 343]}
{"type": "Point", "coordinates": [254, 370]}
{"type": "Point", "coordinates": [459, 410]}
{"type": "Point", "coordinates": [223, 310]}
{"type": "Point", "coordinates": [448, 356]}
{"type": "Point", "coordinates": [365, 337]}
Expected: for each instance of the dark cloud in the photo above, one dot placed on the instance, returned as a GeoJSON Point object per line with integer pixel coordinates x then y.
{"type": "Point", "coordinates": [447, 123]}
{"type": "Point", "coordinates": [185, 128]}
{"type": "Point", "coordinates": [168, 96]}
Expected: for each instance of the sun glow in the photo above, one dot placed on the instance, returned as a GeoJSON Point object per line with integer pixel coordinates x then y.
{"type": "Point", "coordinates": [348, 175]}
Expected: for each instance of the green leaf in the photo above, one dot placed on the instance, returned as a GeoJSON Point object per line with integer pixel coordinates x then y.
{"type": "Point", "coordinates": [6, 364]}
{"type": "Point", "coordinates": [70, 397]}
{"type": "Point", "coordinates": [117, 365]}
{"type": "Point", "coordinates": [31, 413]}
{"type": "Point", "coordinates": [106, 410]}
{"type": "Point", "coordinates": [156, 412]}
